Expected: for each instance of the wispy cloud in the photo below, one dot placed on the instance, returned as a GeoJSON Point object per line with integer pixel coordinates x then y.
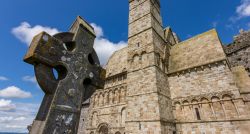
{"type": "Point", "coordinates": [25, 32]}
{"type": "Point", "coordinates": [14, 92]}
{"type": "Point", "coordinates": [2, 78]}
{"type": "Point", "coordinates": [31, 79]}
{"type": "Point", "coordinates": [17, 119]}
{"type": "Point", "coordinates": [6, 105]}
{"type": "Point", "coordinates": [104, 47]}
{"type": "Point", "coordinates": [243, 10]}
{"type": "Point", "coordinates": [98, 30]}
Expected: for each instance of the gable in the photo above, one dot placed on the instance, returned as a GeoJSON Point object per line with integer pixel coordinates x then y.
{"type": "Point", "coordinates": [117, 63]}
{"type": "Point", "coordinates": [199, 50]}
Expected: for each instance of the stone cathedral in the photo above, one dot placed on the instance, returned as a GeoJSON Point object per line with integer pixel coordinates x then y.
{"type": "Point", "coordinates": [161, 85]}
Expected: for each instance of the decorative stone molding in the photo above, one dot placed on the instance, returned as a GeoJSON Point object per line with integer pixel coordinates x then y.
{"type": "Point", "coordinates": [198, 99]}
{"type": "Point", "coordinates": [197, 68]}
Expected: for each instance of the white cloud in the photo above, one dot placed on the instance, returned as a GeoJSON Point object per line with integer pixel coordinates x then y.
{"type": "Point", "coordinates": [6, 105]}
{"type": "Point", "coordinates": [18, 119]}
{"type": "Point", "coordinates": [98, 30]}
{"type": "Point", "coordinates": [25, 32]}
{"type": "Point", "coordinates": [15, 126]}
{"type": "Point", "coordinates": [31, 79]}
{"type": "Point", "coordinates": [104, 47]}
{"type": "Point", "coordinates": [2, 78]}
{"type": "Point", "coordinates": [14, 92]}
{"type": "Point", "coordinates": [6, 119]}
{"type": "Point", "coordinates": [243, 10]}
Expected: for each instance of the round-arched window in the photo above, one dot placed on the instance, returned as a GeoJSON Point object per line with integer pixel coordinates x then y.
{"type": "Point", "coordinates": [103, 129]}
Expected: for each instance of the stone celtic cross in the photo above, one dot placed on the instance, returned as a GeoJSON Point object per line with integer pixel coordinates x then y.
{"type": "Point", "coordinates": [79, 72]}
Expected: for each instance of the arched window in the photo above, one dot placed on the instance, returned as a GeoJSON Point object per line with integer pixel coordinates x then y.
{"type": "Point", "coordinates": [123, 116]}
{"type": "Point", "coordinates": [187, 111]}
{"type": "Point", "coordinates": [144, 56]}
{"type": "Point", "coordinates": [111, 97]}
{"type": "Point", "coordinates": [218, 110]}
{"type": "Point", "coordinates": [122, 94]}
{"type": "Point", "coordinates": [197, 112]}
{"type": "Point", "coordinates": [136, 58]}
{"type": "Point", "coordinates": [208, 113]}
{"type": "Point", "coordinates": [116, 98]}
{"type": "Point", "coordinates": [96, 100]}
{"type": "Point", "coordinates": [196, 109]}
{"type": "Point", "coordinates": [94, 119]}
{"type": "Point", "coordinates": [194, 101]}
{"type": "Point", "coordinates": [101, 99]}
{"type": "Point", "coordinates": [106, 98]}
{"type": "Point", "coordinates": [230, 109]}
{"type": "Point", "coordinates": [103, 129]}
{"type": "Point", "coordinates": [178, 111]}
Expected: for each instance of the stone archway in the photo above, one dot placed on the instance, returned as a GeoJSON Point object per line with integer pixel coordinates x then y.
{"type": "Point", "coordinates": [103, 129]}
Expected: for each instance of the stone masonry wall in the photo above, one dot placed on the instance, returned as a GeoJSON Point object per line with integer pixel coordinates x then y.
{"type": "Point", "coordinates": [222, 107]}
{"type": "Point", "coordinates": [197, 51]}
{"type": "Point", "coordinates": [238, 52]}
{"type": "Point", "coordinates": [227, 127]}
{"type": "Point", "coordinates": [148, 99]}
{"type": "Point", "coordinates": [84, 120]}
{"type": "Point", "coordinates": [212, 78]}
{"type": "Point", "coordinates": [107, 111]}
{"type": "Point", "coordinates": [152, 88]}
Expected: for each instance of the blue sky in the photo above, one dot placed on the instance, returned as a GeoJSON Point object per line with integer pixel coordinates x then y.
{"type": "Point", "coordinates": [20, 96]}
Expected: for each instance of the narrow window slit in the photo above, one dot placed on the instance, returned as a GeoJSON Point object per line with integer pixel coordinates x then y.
{"type": "Point", "coordinates": [197, 114]}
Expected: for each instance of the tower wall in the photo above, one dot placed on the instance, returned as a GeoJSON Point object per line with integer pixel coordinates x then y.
{"type": "Point", "coordinates": [148, 97]}
{"type": "Point", "coordinates": [153, 87]}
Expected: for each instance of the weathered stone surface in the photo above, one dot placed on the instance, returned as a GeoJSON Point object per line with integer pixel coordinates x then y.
{"type": "Point", "coordinates": [200, 50]}
{"type": "Point", "coordinates": [159, 85]}
{"type": "Point", "coordinates": [216, 78]}
{"type": "Point", "coordinates": [84, 118]}
{"type": "Point", "coordinates": [117, 63]}
{"type": "Point", "coordinates": [72, 55]}
{"type": "Point", "coordinates": [238, 52]}
{"type": "Point", "coordinates": [242, 79]}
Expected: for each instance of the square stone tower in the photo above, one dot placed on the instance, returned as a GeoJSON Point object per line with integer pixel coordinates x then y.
{"type": "Point", "coordinates": [161, 85]}
{"type": "Point", "coordinates": [149, 106]}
